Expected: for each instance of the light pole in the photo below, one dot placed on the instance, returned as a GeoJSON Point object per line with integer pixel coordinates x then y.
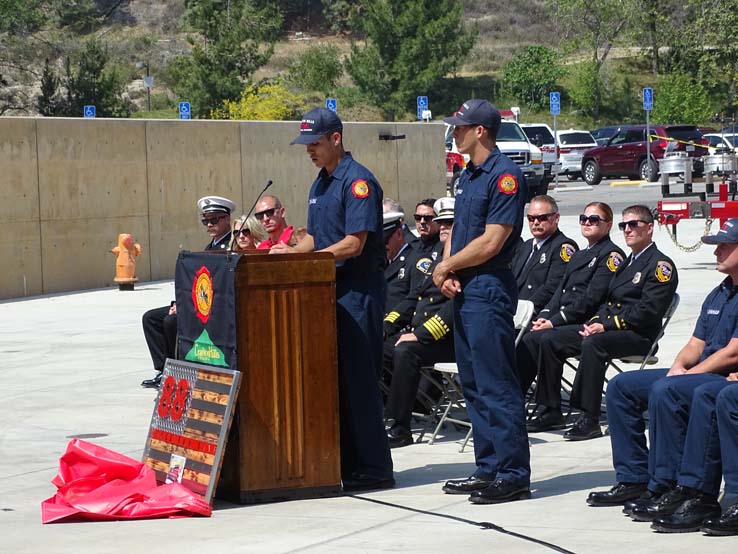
{"type": "Point", "coordinates": [148, 82]}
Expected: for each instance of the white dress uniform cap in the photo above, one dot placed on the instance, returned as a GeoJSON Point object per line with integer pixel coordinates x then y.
{"type": "Point", "coordinates": [390, 220]}
{"type": "Point", "coordinates": [444, 207]}
{"type": "Point", "coordinates": [208, 204]}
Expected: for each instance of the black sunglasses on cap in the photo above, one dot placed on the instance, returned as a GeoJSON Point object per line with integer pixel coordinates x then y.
{"type": "Point", "coordinates": [633, 224]}
{"type": "Point", "coordinates": [593, 219]}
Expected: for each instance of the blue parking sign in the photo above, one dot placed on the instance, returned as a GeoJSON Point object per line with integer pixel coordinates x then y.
{"type": "Point", "coordinates": [184, 110]}
{"type": "Point", "coordinates": [648, 99]}
{"type": "Point", "coordinates": [554, 99]}
{"type": "Point", "coordinates": [89, 112]}
{"type": "Point", "coordinates": [331, 104]}
{"type": "Point", "coordinates": [422, 103]}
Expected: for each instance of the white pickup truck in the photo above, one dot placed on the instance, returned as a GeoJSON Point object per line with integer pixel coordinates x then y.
{"type": "Point", "coordinates": [512, 141]}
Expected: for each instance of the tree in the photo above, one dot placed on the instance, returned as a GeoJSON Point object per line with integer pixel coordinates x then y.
{"type": "Point", "coordinates": [596, 25]}
{"type": "Point", "coordinates": [92, 83]}
{"type": "Point", "coordinates": [410, 46]}
{"type": "Point", "coordinates": [48, 102]}
{"type": "Point", "coordinates": [679, 98]}
{"type": "Point", "coordinates": [235, 38]}
{"type": "Point", "coordinates": [532, 74]}
{"type": "Point", "coordinates": [20, 17]}
{"type": "Point", "coordinates": [317, 69]}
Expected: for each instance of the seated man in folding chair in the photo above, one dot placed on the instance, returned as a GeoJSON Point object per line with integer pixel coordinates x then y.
{"type": "Point", "coordinates": [677, 481]}
{"type": "Point", "coordinates": [627, 324]}
{"type": "Point", "coordinates": [429, 340]}
{"type": "Point", "coordinates": [580, 293]}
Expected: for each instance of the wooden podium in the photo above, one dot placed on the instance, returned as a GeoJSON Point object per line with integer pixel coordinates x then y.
{"type": "Point", "coordinates": [284, 442]}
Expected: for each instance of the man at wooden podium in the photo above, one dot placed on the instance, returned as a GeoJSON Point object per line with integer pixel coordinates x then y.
{"type": "Point", "coordinates": [345, 218]}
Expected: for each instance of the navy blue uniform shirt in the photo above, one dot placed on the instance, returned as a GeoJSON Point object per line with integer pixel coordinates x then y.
{"type": "Point", "coordinates": [491, 193]}
{"type": "Point", "coordinates": [347, 202]}
{"type": "Point", "coordinates": [718, 321]}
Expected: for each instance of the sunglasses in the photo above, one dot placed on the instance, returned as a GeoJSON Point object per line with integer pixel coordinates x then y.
{"type": "Point", "coordinates": [590, 219]}
{"type": "Point", "coordinates": [211, 220]}
{"type": "Point", "coordinates": [540, 217]}
{"type": "Point", "coordinates": [632, 224]}
{"type": "Point", "coordinates": [266, 213]}
{"type": "Point", "coordinates": [244, 232]}
{"type": "Point", "coordinates": [426, 218]}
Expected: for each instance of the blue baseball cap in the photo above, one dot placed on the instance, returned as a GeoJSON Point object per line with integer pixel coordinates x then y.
{"type": "Point", "coordinates": [317, 123]}
{"type": "Point", "coordinates": [728, 234]}
{"type": "Point", "coordinates": [477, 112]}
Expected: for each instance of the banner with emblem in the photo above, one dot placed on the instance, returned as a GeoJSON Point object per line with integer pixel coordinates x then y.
{"type": "Point", "coordinates": [206, 299]}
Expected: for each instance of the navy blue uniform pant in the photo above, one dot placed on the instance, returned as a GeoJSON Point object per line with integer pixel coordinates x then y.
{"type": "Point", "coordinates": [359, 313]}
{"type": "Point", "coordinates": [160, 331]}
{"type": "Point", "coordinates": [727, 420]}
{"type": "Point", "coordinates": [484, 340]}
{"type": "Point", "coordinates": [682, 429]}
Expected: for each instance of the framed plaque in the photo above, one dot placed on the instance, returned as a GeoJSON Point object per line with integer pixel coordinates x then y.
{"type": "Point", "coordinates": [190, 423]}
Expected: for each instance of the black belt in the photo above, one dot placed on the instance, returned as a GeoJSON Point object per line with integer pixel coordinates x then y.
{"type": "Point", "coordinates": [486, 269]}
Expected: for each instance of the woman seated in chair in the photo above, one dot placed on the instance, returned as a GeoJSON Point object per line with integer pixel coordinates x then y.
{"type": "Point", "coordinates": [247, 234]}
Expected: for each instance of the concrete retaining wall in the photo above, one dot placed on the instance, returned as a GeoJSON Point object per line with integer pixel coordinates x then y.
{"type": "Point", "coordinates": [68, 187]}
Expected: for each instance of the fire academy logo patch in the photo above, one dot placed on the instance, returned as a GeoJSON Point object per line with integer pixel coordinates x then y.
{"type": "Point", "coordinates": [507, 184]}
{"type": "Point", "coordinates": [360, 188]}
{"type": "Point", "coordinates": [202, 294]}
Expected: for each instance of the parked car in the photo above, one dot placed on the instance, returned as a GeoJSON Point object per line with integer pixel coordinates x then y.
{"type": "Point", "coordinates": [624, 154]}
{"type": "Point", "coordinates": [542, 136]}
{"type": "Point", "coordinates": [603, 134]}
{"type": "Point", "coordinates": [512, 141]}
{"type": "Point", "coordinates": [722, 143]}
{"type": "Point", "coordinates": [572, 145]}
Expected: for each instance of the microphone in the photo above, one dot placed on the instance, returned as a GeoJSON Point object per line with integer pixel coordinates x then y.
{"type": "Point", "coordinates": [269, 184]}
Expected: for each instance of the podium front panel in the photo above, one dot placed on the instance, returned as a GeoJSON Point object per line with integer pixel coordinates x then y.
{"type": "Point", "coordinates": [288, 404]}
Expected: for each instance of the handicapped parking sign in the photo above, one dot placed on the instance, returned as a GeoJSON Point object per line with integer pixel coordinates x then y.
{"type": "Point", "coordinates": [648, 99]}
{"type": "Point", "coordinates": [89, 112]}
{"type": "Point", "coordinates": [422, 103]}
{"type": "Point", "coordinates": [555, 102]}
{"type": "Point", "coordinates": [184, 110]}
{"type": "Point", "coordinates": [331, 104]}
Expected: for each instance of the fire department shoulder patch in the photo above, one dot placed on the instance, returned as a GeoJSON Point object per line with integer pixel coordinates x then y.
{"type": "Point", "coordinates": [360, 188]}
{"type": "Point", "coordinates": [663, 271]}
{"type": "Point", "coordinates": [567, 251]}
{"type": "Point", "coordinates": [507, 184]}
{"type": "Point", "coordinates": [613, 261]}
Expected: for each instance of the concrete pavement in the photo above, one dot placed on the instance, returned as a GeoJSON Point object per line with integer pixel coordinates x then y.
{"type": "Point", "coordinates": [71, 366]}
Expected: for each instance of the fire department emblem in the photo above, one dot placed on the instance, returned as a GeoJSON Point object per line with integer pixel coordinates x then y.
{"type": "Point", "coordinates": [202, 294]}
{"type": "Point", "coordinates": [507, 184]}
{"type": "Point", "coordinates": [360, 189]}
{"type": "Point", "coordinates": [613, 261]}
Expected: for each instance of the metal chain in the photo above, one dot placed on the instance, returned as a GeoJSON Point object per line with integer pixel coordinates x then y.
{"type": "Point", "coordinates": [696, 245]}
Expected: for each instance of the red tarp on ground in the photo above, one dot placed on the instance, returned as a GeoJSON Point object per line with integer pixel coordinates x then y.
{"type": "Point", "coordinates": [96, 484]}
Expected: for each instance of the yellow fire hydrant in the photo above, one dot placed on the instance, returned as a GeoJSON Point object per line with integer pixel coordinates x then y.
{"type": "Point", "coordinates": [125, 264]}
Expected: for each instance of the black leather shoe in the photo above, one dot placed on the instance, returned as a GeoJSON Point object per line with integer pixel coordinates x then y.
{"type": "Point", "coordinates": [689, 517]}
{"type": "Point", "coordinates": [663, 506]}
{"type": "Point", "coordinates": [645, 498]}
{"type": "Point", "coordinates": [585, 428]}
{"type": "Point", "coordinates": [501, 490]}
{"type": "Point", "coordinates": [466, 486]}
{"type": "Point", "coordinates": [549, 420]}
{"type": "Point", "coordinates": [399, 437]}
{"type": "Point", "coordinates": [362, 482]}
{"type": "Point", "coordinates": [152, 383]}
{"type": "Point", "coordinates": [619, 494]}
{"type": "Point", "coordinates": [726, 524]}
